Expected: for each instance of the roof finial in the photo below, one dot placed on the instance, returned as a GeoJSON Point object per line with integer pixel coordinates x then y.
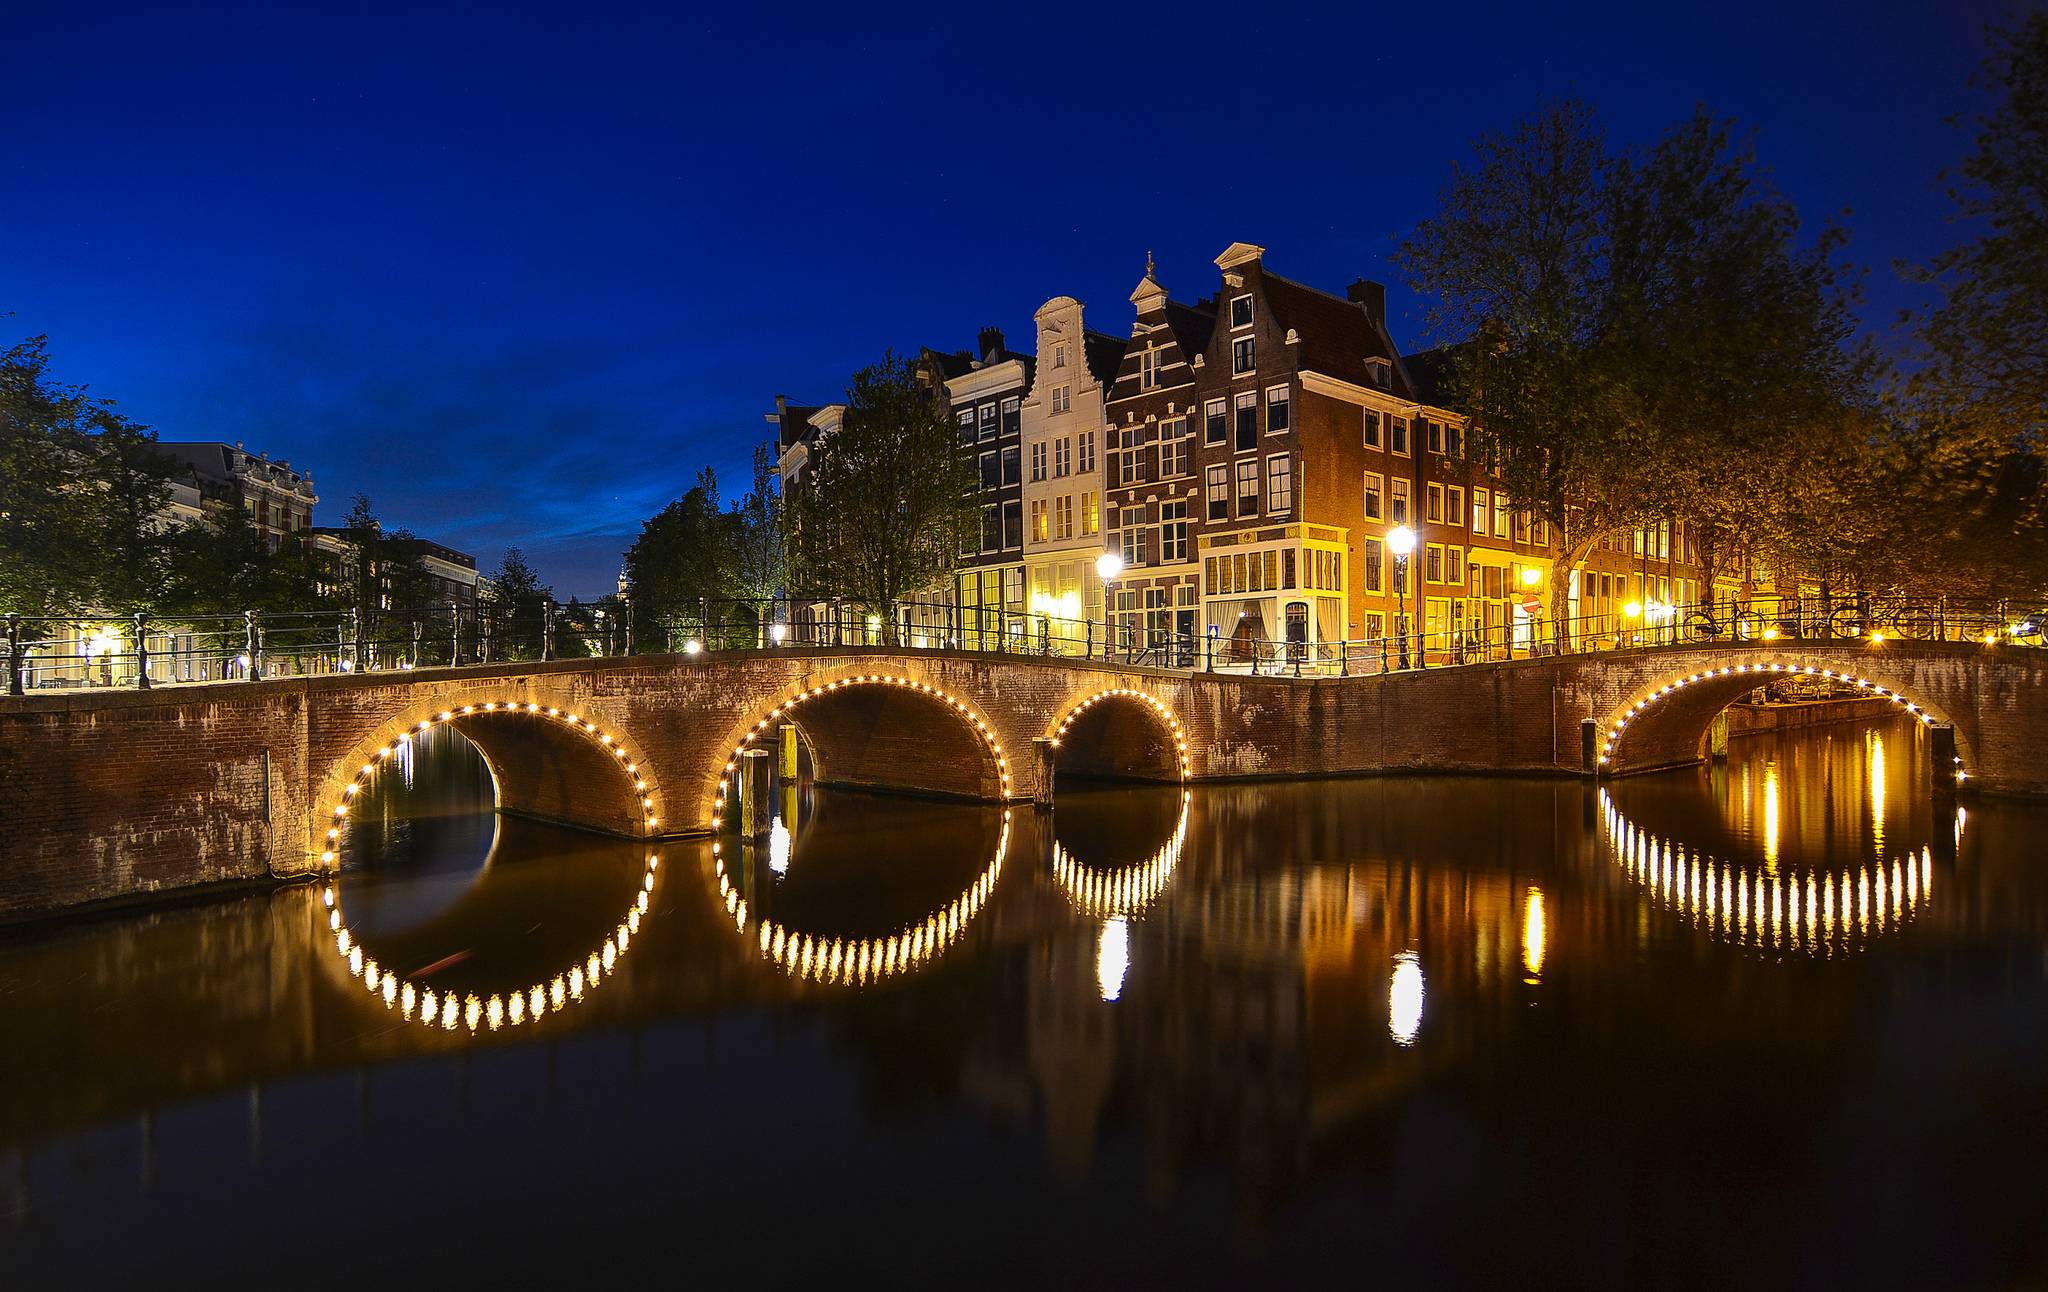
{"type": "Point", "coordinates": [1148, 262]}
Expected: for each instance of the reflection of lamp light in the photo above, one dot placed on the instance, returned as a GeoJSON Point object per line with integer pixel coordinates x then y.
{"type": "Point", "coordinates": [1112, 957]}
{"type": "Point", "coordinates": [1400, 540]}
{"type": "Point", "coordinates": [778, 847]}
{"type": "Point", "coordinates": [1109, 565]}
{"type": "Point", "coordinates": [1770, 634]}
{"type": "Point", "coordinates": [1533, 934]}
{"type": "Point", "coordinates": [1404, 999]}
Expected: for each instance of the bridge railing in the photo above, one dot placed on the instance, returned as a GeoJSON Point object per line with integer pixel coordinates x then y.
{"type": "Point", "coordinates": [140, 650]}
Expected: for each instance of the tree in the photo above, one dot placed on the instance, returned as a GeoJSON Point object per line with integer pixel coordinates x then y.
{"type": "Point", "coordinates": [518, 606]}
{"type": "Point", "coordinates": [1640, 328]}
{"type": "Point", "coordinates": [381, 572]}
{"type": "Point", "coordinates": [687, 553]}
{"type": "Point", "coordinates": [223, 566]}
{"type": "Point", "coordinates": [889, 499]}
{"type": "Point", "coordinates": [761, 568]}
{"type": "Point", "coordinates": [1979, 398]}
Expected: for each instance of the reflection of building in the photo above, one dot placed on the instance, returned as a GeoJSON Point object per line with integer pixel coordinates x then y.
{"type": "Point", "coordinates": [279, 500]}
{"type": "Point", "coordinates": [1063, 420]}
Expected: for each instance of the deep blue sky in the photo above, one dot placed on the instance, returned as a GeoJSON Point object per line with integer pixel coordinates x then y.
{"type": "Point", "coordinates": [517, 273]}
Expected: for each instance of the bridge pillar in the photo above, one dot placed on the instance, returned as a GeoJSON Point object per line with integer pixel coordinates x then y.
{"type": "Point", "coordinates": [1589, 748]}
{"type": "Point", "coordinates": [1942, 751]}
{"type": "Point", "coordinates": [788, 754]}
{"type": "Point", "coordinates": [1042, 767]}
{"type": "Point", "coordinates": [1717, 738]}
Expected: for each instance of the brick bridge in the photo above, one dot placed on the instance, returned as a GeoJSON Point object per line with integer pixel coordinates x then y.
{"type": "Point", "coordinates": [110, 793]}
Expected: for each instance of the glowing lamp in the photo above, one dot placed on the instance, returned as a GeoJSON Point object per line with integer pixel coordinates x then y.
{"type": "Point", "coordinates": [1531, 576]}
{"type": "Point", "coordinates": [692, 646]}
{"type": "Point", "coordinates": [1633, 610]}
{"type": "Point", "coordinates": [1400, 540]}
{"type": "Point", "coordinates": [1109, 565]}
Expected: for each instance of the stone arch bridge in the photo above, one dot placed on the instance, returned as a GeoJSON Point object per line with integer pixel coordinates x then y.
{"type": "Point", "coordinates": [111, 793]}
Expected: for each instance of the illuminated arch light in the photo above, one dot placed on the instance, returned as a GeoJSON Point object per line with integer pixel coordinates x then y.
{"type": "Point", "coordinates": [1180, 735]}
{"type": "Point", "coordinates": [1813, 913]}
{"type": "Point", "coordinates": [1117, 894]}
{"type": "Point", "coordinates": [500, 1009]}
{"type": "Point", "coordinates": [858, 962]}
{"type": "Point", "coordinates": [981, 728]}
{"type": "Point", "coordinates": [605, 740]}
{"type": "Point", "coordinates": [1629, 713]}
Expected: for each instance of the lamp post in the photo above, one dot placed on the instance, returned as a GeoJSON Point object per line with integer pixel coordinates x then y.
{"type": "Point", "coordinates": [1531, 577]}
{"type": "Point", "coordinates": [1401, 542]}
{"type": "Point", "coordinates": [1107, 567]}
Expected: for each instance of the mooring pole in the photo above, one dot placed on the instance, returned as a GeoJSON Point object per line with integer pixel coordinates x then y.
{"type": "Point", "coordinates": [755, 781]}
{"type": "Point", "coordinates": [1042, 763]}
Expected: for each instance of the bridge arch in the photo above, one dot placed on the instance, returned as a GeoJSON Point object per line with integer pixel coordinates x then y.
{"type": "Point", "coordinates": [566, 765]}
{"type": "Point", "coordinates": [1125, 891]}
{"type": "Point", "coordinates": [1666, 723]}
{"type": "Point", "coordinates": [887, 731]}
{"type": "Point", "coordinates": [1095, 737]}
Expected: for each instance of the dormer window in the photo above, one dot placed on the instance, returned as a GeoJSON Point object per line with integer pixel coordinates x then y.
{"type": "Point", "coordinates": [1382, 373]}
{"type": "Point", "coordinates": [1240, 311]}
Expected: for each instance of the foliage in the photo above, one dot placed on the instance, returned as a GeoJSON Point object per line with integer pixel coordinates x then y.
{"type": "Point", "coordinates": [686, 553]}
{"type": "Point", "coordinates": [889, 498]}
{"type": "Point", "coordinates": [761, 566]}
{"type": "Point", "coordinates": [1646, 328]}
{"type": "Point", "coordinates": [1978, 402]}
{"type": "Point", "coordinates": [517, 607]}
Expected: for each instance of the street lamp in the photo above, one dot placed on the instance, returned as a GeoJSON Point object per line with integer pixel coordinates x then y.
{"type": "Point", "coordinates": [1108, 566]}
{"type": "Point", "coordinates": [1401, 542]}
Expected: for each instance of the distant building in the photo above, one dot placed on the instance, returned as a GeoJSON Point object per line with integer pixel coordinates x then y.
{"type": "Point", "coordinates": [279, 499]}
{"type": "Point", "coordinates": [987, 393]}
{"type": "Point", "coordinates": [451, 575]}
{"type": "Point", "coordinates": [1062, 439]}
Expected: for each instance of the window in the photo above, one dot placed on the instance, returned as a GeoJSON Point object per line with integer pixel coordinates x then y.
{"type": "Point", "coordinates": [1479, 511]}
{"type": "Point", "coordinates": [1398, 510]}
{"type": "Point", "coordinates": [1500, 514]}
{"type": "Point", "coordinates": [990, 474]}
{"type": "Point", "coordinates": [1397, 435]}
{"type": "Point", "coordinates": [1216, 423]}
{"type": "Point", "coordinates": [1013, 466]}
{"type": "Point", "coordinates": [1433, 434]}
{"type": "Point", "coordinates": [1248, 487]}
{"type": "Point", "coordinates": [1038, 461]}
{"type": "Point", "coordinates": [1372, 428]}
{"type": "Point", "coordinates": [1012, 415]}
{"type": "Point", "coordinates": [1433, 503]}
{"type": "Point", "coordinates": [1061, 399]}
{"type": "Point", "coordinates": [1091, 513]}
{"type": "Point", "coordinates": [988, 421]}
{"type": "Point", "coordinates": [1148, 369]}
{"type": "Point", "coordinates": [1375, 626]}
{"type": "Point", "coordinates": [1129, 468]}
{"type": "Point", "coordinates": [1279, 415]}
{"type": "Point", "coordinates": [1243, 356]}
{"type": "Point", "coordinates": [1217, 480]}
{"type": "Point", "coordinates": [1087, 452]}
{"type": "Point", "coordinates": [1173, 531]}
{"type": "Point", "coordinates": [1454, 565]}
{"type": "Point", "coordinates": [991, 529]}
{"type": "Point", "coordinates": [1063, 516]}
{"type": "Point", "coordinates": [1375, 567]}
{"type": "Point", "coordinates": [1062, 456]}
{"type": "Point", "coordinates": [967, 427]}
{"type": "Point", "coordinates": [1454, 505]}
{"type": "Point", "coordinates": [1279, 484]}
{"type": "Point", "coordinates": [1175, 449]}
{"type": "Point", "coordinates": [1039, 528]}
{"type": "Point", "coordinates": [1374, 510]}
{"type": "Point", "coordinates": [1454, 440]}
{"type": "Point", "coordinates": [1013, 524]}
{"type": "Point", "coordinates": [1132, 533]}
{"type": "Point", "coordinates": [1059, 356]}
{"type": "Point", "coordinates": [1247, 421]}
{"type": "Point", "coordinates": [1433, 563]}
{"type": "Point", "coordinates": [1240, 311]}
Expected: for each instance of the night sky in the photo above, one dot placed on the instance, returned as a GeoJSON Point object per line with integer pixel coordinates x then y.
{"type": "Point", "coordinates": [518, 273]}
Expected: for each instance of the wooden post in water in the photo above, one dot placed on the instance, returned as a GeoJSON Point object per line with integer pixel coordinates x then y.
{"type": "Point", "coordinates": [788, 755]}
{"type": "Point", "coordinates": [755, 782]}
{"type": "Point", "coordinates": [1042, 763]}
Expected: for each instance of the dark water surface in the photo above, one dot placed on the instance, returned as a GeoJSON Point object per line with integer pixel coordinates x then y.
{"type": "Point", "coordinates": [1779, 1023]}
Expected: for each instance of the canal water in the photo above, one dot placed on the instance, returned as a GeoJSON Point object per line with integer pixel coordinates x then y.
{"type": "Point", "coordinates": [1782, 1022]}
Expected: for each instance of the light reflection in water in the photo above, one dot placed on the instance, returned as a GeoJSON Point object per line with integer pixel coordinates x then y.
{"type": "Point", "coordinates": [859, 961]}
{"type": "Point", "coordinates": [1126, 891]}
{"type": "Point", "coordinates": [1404, 999]}
{"type": "Point", "coordinates": [778, 847]}
{"type": "Point", "coordinates": [1771, 815]}
{"type": "Point", "coordinates": [1765, 909]}
{"type": "Point", "coordinates": [1112, 957]}
{"type": "Point", "coordinates": [1533, 934]}
{"type": "Point", "coordinates": [1875, 739]}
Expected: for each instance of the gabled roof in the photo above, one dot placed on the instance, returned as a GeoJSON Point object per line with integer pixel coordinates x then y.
{"type": "Point", "coordinates": [1430, 372]}
{"type": "Point", "coordinates": [1337, 337]}
{"type": "Point", "coordinates": [791, 421]}
{"type": "Point", "coordinates": [1104, 354]}
{"type": "Point", "coordinates": [1191, 326]}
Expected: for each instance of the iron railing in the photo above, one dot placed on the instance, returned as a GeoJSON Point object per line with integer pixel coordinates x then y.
{"type": "Point", "coordinates": [139, 650]}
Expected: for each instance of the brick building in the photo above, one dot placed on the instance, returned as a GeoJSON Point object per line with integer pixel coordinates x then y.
{"type": "Point", "coordinates": [987, 392]}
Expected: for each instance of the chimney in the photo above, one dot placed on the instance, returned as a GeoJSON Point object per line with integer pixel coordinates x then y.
{"type": "Point", "coordinates": [991, 341]}
{"type": "Point", "coordinates": [1372, 295]}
